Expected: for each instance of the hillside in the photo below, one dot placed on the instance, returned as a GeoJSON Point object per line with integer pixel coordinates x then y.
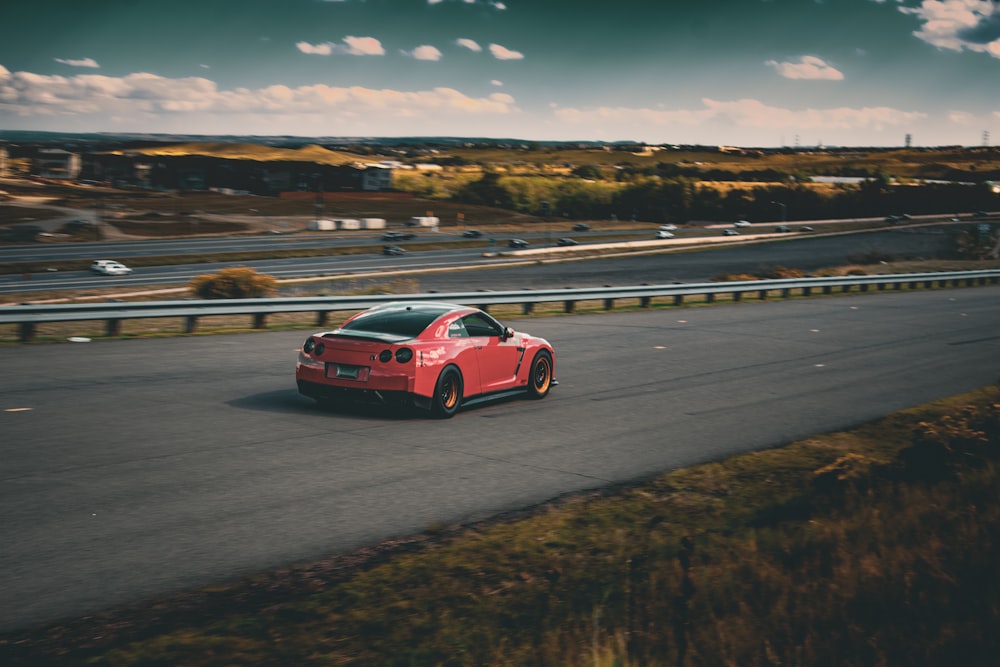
{"type": "Point", "coordinates": [246, 151]}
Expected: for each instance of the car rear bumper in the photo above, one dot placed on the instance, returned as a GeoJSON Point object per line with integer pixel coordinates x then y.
{"type": "Point", "coordinates": [326, 392]}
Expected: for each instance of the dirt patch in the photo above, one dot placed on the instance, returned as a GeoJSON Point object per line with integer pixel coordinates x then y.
{"type": "Point", "coordinates": [189, 227]}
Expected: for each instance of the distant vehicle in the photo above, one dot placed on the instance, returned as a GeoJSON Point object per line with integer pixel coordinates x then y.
{"type": "Point", "coordinates": [110, 267]}
{"type": "Point", "coordinates": [730, 232]}
{"type": "Point", "coordinates": [517, 243]}
{"type": "Point", "coordinates": [398, 236]}
{"type": "Point", "coordinates": [668, 228]}
{"type": "Point", "coordinates": [472, 233]}
{"type": "Point", "coordinates": [893, 219]}
{"type": "Point", "coordinates": [581, 227]}
{"type": "Point", "coordinates": [433, 356]}
{"type": "Point", "coordinates": [741, 223]}
{"type": "Point", "coordinates": [565, 241]}
{"type": "Point", "coordinates": [664, 234]}
{"type": "Point", "coordinates": [393, 250]}
{"type": "Point", "coordinates": [782, 229]}
{"type": "Point", "coordinates": [806, 228]}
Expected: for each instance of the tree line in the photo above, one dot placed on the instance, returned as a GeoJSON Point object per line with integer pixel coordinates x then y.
{"type": "Point", "coordinates": [680, 199]}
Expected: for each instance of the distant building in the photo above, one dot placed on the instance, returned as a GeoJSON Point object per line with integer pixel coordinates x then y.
{"type": "Point", "coordinates": [376, 178]}
{"type": "Point", "coordinates": [56, 163]}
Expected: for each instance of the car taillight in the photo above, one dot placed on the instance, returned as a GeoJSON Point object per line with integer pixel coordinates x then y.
{"type": "Point", "coordinates": [320, 349]}
{"type": "Point", "coordinates": [385, 356]}
{"type": "Point", "coordinates": [308, 347]}
{"type": "Point", "coordinates": [404, 354]}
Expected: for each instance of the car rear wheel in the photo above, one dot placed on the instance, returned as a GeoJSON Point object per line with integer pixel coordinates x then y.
{"type": "Point", "coordinates": [541, 375]}
{"type": "Point", "coordinates": [447, 393]}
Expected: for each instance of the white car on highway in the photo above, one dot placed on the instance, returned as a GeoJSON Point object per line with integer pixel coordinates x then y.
{"type": "Point", "coordinates": [110, 267]}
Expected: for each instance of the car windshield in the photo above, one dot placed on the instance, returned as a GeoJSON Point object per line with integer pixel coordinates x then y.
{"type": "Point", "coordinates": [406, 321]}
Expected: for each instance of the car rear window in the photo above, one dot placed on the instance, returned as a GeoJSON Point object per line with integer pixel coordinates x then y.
{"type": "Point", "coordinates": [400, 322]}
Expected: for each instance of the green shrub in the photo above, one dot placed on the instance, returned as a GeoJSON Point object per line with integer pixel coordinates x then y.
{"type": "Point", "coordinates": [237, 282]}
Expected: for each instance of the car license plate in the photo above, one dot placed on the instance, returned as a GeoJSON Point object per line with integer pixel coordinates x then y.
{"type": "Point", "coordinates": [346, 372]}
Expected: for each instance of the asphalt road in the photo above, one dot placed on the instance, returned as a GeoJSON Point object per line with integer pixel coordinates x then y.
{"type": "Point", "coordinates": [135, 468]}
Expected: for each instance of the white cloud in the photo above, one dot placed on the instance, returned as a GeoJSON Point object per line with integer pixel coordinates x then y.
{"type": "Point", "coordinates": [83, 62]}
{"type": "Point", "coordinates": [962, 118]}
{"type": "Point", "coordinates": [496, 82]}
{"type": "Point", "coordinates": [324, 49]}
{"type": "Point", "coordinates": [469, 44]}
{"type": "Point", "coordinates": [808, 67]}
{"type": "Point", "coordinates": [363, 46]}
{"type": "Point", "coordinates": [351, 46]}
{"type": "Point", "coordinates": [157, 98]}
{"type": "Point", "coordinates": [503, 53]}
{"type": "Point", "coordinates": [425, 52]}
{"type": "Point", "coordinates": [747, 113]}
{"type": "Point", "coordinates": [959, 24]}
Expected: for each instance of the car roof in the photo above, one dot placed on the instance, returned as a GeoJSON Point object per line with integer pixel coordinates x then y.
{"type": "Point", "coordinates": [397, 320]}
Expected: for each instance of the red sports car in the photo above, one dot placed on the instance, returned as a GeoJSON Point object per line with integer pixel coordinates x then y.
{"type": "Point", "coordinates": [437, 356]}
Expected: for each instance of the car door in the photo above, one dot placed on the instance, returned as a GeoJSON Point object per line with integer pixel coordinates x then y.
{"type": "Point", "coordinates": [499, 358]}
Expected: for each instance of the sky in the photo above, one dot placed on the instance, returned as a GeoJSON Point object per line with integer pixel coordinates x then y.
{"type": "Point", "coordinates": [752, 73]}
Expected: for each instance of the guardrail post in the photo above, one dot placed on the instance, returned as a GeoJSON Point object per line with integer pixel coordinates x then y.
{"type": "Point", "coordinates": [569, 306]}
{"type": "Point", "coordinates": [644, 302]}
{"type": "Point", "coordinates": [880, 287]}
{"type": "Point", "coordinates": [845, 289]}
{"type": "Point", "coordinates": [737, 296]}
{"type": "Point", "coordinates": [710, 297]}
{"type": "Point", "coordinates": [260, 320]}
{"type": "Point", "coordinates": [609, 304]}
{"type": "Point", "coordinates": [527, 307]}
{"type": "Point", "coordinates": [190, 324]}
{"type": "Point", "coordinates": [762, 295]}
{"type": "Point", "coordinates": [785, 293]}
{"type": "Point", "coordinates": [898, 286]}
{"type": "Point", "coordinates": [321, 318]}
{"type": "Point", "coordinates": [864, 287]}
{"type": "Point", "coordinates": [484, 308]}
{"type": "Point", "coordinates": [26, 331]}
{"type": "Point", "coordinates": [806, 291]}
{"type": "Point", "coordinates": [928, 284]}
{"type": "Point", "coordinates": [113, 328]}
{"type": "Point", "coordinates": [827, 289]}
{"type": "Point", "coordinates": [678, 299]}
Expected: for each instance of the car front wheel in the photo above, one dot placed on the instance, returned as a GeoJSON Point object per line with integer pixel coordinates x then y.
{"type": "Point", "coordinates": [541, 375]}
{"type": "Point", "coordinates": [447, 393]}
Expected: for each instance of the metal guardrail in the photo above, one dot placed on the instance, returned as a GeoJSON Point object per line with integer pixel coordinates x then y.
{"type": "Point", "coordinates": [27, 317]}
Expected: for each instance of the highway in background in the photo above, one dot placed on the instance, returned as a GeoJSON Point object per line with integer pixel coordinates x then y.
{"type": "Point", "coordinates": [441, 270]}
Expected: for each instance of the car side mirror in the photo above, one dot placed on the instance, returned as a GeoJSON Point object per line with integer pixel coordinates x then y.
{"type": "Point", "coordinates": [508, 333]}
